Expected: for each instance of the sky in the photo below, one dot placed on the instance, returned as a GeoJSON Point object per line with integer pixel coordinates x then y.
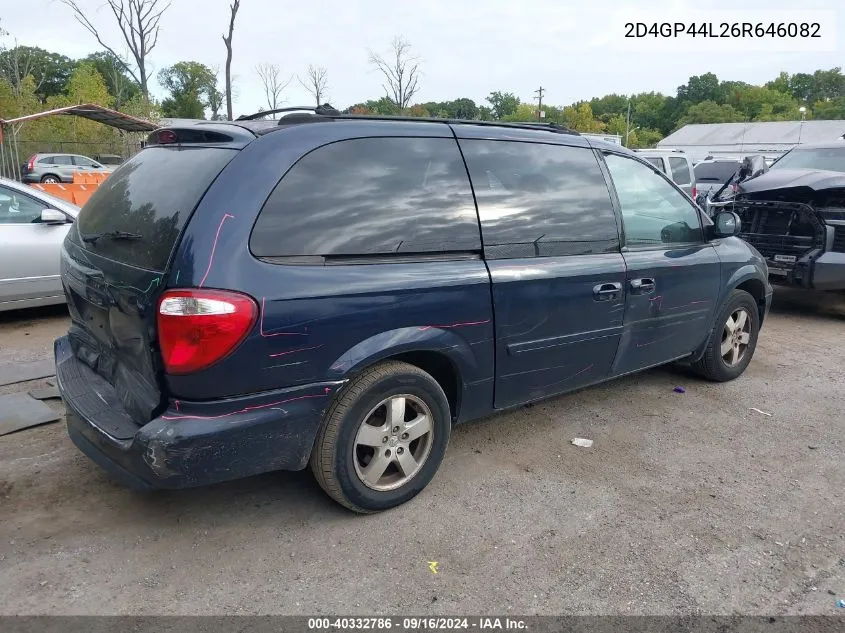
{"type": "Point", "coordinates": [465, 49]}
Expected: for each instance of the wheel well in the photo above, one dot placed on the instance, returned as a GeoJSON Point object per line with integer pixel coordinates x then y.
{"type": "Point", "coordinates": [755, 288]}
{"type": "Point", "coordinates": [441, 369]}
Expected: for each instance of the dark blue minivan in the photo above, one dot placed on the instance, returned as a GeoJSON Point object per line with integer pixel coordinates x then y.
{"type": "Point", "coordinates": [341, 290]}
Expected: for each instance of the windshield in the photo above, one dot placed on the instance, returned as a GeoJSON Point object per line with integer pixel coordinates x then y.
{"type": "Point", "coordinates": [717, 171]}
{"type": "Point", "coordinates": [828, 158]}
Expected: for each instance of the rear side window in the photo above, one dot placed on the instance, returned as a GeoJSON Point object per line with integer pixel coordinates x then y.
{"type": "Point", "coordinates": [717, 171]}
{"type": "Point", "coordinates": [656, 161]}
{"type": "Point", "coordinates": [371, 197]}
{"type": "Point", "coordinates": [83, 162]}
{"type": "Point", "coordinates": [680, 170]}
{"type": "Point", "coordinates": [46, 161]}
{"type": "Point", "coordinates": [152, 195]}
{"type": "Point", "coordinates": [61, 160]}
{"type": "Point", "coordinates": [540, 200]}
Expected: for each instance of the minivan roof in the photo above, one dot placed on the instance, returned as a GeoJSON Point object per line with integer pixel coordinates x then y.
{"type": "Point", "coordinates": [298, 115]}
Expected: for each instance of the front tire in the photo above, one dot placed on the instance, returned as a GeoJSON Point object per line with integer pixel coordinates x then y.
{"type": "Point", "coordinates": [383, 438]}
{"type": "Point", "coordinates": [734, 339]}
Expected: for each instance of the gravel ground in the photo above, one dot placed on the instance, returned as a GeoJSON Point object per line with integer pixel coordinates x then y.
{"type": "Point", "coordinates": [687, 503]}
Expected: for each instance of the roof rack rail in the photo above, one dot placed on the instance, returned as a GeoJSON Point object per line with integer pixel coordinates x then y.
{"type": "Point", "coordinates": [323, 110]}
{"type": "Point", "coordinates": [329, 112]}
{"type": "Point", "coordinates": [548, 127]}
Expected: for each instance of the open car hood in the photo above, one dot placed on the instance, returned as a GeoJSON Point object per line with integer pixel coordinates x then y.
{"type": "Point", "coordinates": [815, 179]}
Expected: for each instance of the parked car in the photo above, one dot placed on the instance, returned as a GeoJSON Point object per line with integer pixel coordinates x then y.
{"type": "Point", "coordinates": [33, 226]}
{"type": "Point", "coordinates": [60, 167]}
{"type": "Point", "coordinates": [340, 290]}
{"type": "Point", "coordinates": [793, 214]}
{"type": "Point", "coordinates": [712, 173]}
{"type": "Point", "coordinates": [675, 164]}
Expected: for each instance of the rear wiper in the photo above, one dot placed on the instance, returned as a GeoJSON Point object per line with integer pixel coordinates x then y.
{"type": "Point", "coordinates": [113, 235]}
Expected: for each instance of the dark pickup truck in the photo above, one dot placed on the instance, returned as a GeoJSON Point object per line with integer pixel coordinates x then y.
{"type": "Point", "coordinates": [794, 214]}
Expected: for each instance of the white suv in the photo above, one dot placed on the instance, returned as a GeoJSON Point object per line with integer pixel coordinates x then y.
{"type": "Point", "coordinates": [675, 164]}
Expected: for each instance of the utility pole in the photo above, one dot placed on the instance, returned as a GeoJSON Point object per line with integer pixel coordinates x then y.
{"type": "Point", "coordinates": [539, 94]}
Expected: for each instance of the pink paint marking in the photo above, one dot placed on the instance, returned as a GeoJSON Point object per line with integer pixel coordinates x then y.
{"type": "Point", "coordinates": [453, 325]}
{"type": "Point", "coordinates": [214, 247]}
{"type": "Point", "coordinates": [267, 334]}
{"type": "Point", "coordinates": [244, 410]}
{"type": "Point", "coordinates": [176, 404]}
{"type": "Point", "coordinates": [294, 351]}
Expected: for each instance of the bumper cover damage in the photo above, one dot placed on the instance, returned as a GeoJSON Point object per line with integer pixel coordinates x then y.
{"type": "Point", "coordinates": [189, 443]}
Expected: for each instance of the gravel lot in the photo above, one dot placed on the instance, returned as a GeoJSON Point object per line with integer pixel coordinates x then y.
{"type": "Point", "coordinates": [687, 503]}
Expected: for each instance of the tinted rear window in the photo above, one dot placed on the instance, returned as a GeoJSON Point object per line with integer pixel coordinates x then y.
{"type": "Point", "coordinates": [540, 200]}
{"type": "Point", "coordinates": [151, 195]}
{"type": "Point", "coordinates": [718, 171]}
{"type": "Point", "coordinates": [371, 196]}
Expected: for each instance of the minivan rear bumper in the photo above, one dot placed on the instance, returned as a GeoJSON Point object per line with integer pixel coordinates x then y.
{"type": "Point", "coordinates": [190, 443]}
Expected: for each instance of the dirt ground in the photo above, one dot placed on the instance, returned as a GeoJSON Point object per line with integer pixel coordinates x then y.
{"type": "Point", "coordinates": [687, 504]}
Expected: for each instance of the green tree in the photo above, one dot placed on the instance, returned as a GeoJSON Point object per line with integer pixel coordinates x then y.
{"type": "Point", "coordinates": [463, 108]}
{"type": "Point", "coordinates": [523, 112]}
{"type": "Point", "coordinates": [189, 84]}
{"type": "Point", "coordinates": [50, 71]}
{"type": "Point", "coordinates": [121, 86]}
{"type": "Point", "coordinates": [86, 85]}
{"type": "Point", "coordinates": [710, 112]}
{"type": "Point", "coordinates": [607, 106]}
{"type": "Point", "coordinates": [580, 117]}
{"type": "Point", "coordinates": [647, 137]}
{"type": "Point", "coordinates": [699, 88]}
{"type": "Point", "coordinates": [502, 104]}
{"type": "Point", "coordinates": [828, 110]}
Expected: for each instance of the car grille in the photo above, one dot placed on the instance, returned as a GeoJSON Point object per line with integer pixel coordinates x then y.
{"type": "Point", "coordinates": [781, 231]}
{"type": "Point", "coordinates": [839, 239]}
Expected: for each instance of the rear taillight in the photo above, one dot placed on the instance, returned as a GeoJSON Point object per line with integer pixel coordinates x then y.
{"type": "Point", "coordinates": [694, 192]}
{"type": "Point", "coordinates": [197, 328]}
{"type": "Point", "coordinates": [30, 166]}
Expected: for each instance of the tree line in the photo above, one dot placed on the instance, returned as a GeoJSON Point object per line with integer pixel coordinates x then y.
{"type": "Point", "coordinates": [33, 79]}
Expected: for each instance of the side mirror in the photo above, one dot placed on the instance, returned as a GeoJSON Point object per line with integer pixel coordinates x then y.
{"type": "Point", "coordinates": [726, 224]}
{"type": "Point", "coordinates": [52, 216]}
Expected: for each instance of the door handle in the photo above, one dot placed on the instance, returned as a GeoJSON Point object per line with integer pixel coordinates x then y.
{"type": "Point", "coordinates": [607, 291]}
{"type": "Point", "coordinates": [644, 286]}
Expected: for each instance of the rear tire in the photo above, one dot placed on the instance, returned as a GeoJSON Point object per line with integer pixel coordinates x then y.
{"type": "Point", "coordinates": [383, 438]}
{"type": "Point", "coordinates": [50, 179]}
{"type": "Point", "coordinates": [734, 339]}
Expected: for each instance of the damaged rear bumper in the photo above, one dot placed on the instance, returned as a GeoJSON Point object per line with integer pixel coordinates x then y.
{"type": "Point", "coordinates": [190, 443]}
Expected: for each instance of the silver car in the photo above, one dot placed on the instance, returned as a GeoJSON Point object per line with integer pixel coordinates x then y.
{"type": "Point", "coordinates": [675, 164]}
{"type": "Point", "coordinates": [60, 167]}
{"type": "Point", "coordinates": [33, 226]}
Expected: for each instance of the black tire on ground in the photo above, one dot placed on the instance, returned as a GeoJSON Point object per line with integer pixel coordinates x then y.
{"type": "Point", "coordinates": [712, 365]}
{"type": "Point", "coordinates": [50, 178]}
{"type": "Point", "coordinates": [333, 459]}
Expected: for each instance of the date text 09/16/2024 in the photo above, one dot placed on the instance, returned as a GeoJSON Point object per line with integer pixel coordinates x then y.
{"type": "Point", "coordinates": [718, 30]}
{"type": "Point", "coordinates": [417, 623]}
